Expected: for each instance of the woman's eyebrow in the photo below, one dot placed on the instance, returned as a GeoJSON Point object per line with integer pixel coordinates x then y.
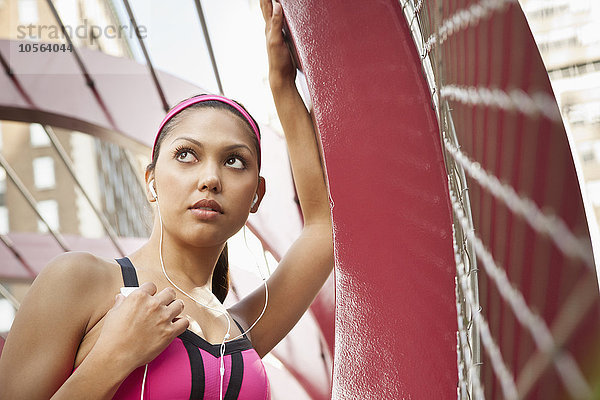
{"type": "Point", "coordinates": [237, 146]}
{"type": "Point", "coordinates": [189, 139]}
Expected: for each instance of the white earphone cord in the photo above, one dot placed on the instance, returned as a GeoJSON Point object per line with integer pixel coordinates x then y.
{"type": "Point", "coordinates": [222, 347]}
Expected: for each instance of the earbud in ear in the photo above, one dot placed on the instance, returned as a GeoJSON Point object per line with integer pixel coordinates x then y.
{"type": "Point", "coordinates": [255, 200]}
{"type": "Point", "coordinates": [153, 189]}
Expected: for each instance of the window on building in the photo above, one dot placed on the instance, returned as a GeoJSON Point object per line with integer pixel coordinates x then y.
{"type": "Point", "coordinates": [28, 12]}
{"type": "Point", "coordinates": [540, 9]}
{"type": "Point", "coordinates": [4, 228]}
{"type": "Point", "coordinates": [3, 209]}
{"type": "Point", "coordinates": [49, 210]}
{"type": "Point", "coordinates": [593, 192]}
{"type": "Point", "coordinates": [43, 173]}
{"type": "Point", "coordinates": [38, 136]}
{"type": "Point", "coordinates": [586, 151]}
{"type": "Point", "coordinates": [2, 185]}
{"type": "Point", "coordinates": [588, 34]}
{"type": "Point", "coordinates": [584, 113]}
{"type": "Point", "coordinates": [7, 315]}
{"type": "Point", "coordinates": [578, 6]}
{"type": "Point", "coordinates": [596, 150]}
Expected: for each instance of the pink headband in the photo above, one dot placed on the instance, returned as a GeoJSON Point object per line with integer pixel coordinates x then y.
{"type": "Point", "coordinates": [198, 99]}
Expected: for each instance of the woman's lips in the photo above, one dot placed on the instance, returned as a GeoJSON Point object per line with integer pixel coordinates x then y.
{"type": "Point", "coordinates": [206, 210]}
{"type": "Point", "coordinates": [205, 214]}
{"type": "Point", "coordinates": [209, 205]}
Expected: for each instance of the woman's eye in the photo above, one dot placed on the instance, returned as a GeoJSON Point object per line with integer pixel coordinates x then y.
{"type": "Point", "coordinates": [185, 156]}
{"type": "Point", "coordinates": [235, 162]}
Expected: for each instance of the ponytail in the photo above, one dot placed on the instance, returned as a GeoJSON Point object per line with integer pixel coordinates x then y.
{"type": "Point", "coordinates": [220, 279]}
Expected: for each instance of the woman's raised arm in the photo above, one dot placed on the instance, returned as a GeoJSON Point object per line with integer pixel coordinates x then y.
{"type": "Point", "coordinates": [307, 264]}
{"type": "Point", "coordinates": [302, 144]}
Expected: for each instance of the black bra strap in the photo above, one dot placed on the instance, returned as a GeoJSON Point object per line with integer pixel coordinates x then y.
{"type": "Point", "coordinates": [241, 329]}
{"type": "Point", "coordinates": [128, 270]}
{"type": "Point", "coordinates": [130, 280]}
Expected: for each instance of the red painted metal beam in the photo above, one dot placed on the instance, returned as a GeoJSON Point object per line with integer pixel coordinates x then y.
{"type": "Point", "coordinates": [394, 273]}
{"type": "Point", "coordinates": [528, 150]}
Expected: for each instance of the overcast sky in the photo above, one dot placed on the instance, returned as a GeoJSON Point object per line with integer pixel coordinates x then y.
{"type": "Point", "coordinates": [176, 44]}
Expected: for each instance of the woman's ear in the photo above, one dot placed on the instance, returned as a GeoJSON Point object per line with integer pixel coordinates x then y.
{"type": "Point", "coordinates": [260, 191]}
{"type": "Point", "coordinates": [149, 177]}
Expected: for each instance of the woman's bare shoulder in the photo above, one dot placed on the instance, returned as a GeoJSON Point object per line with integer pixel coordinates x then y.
{"type": "Point", "coordinates": [78, 264]}
{"type": "Point", "coordinates": [57, 311]}
{"type": "Point", "coordinates": [77, 272]}
{"type": "Point", "coordinates": [79, 284]}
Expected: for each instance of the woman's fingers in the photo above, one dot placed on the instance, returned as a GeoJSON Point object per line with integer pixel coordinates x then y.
{"type": "Point", "coordinates": [118, 300]}
{"type": "Point", "coordinates": [276, 9]}
{"type": "Point", "coordinates": [166, 296]}
{"type": "Point", "coordinates": [149, 288]}
{"type": "Point", "coordinates": [277, 21]}
{"type": "Point", "coordinates": [174, 309]}
{"type": "Point", "coordinates": [152, 319]}
{"type": "Point", "coordinates": [267, 9]}
{"type": "Point", "coordinates": [276, 46]}
{"type": "Point", "coordinates": [173, 306]}
{"type": "Point", "coordinates": [180, 325]}
{"type": "Point", "coordinates": [282, 70]}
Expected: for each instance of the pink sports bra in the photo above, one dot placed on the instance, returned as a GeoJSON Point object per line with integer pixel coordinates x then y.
{"type": "Point", "coordinates": [189, 367]}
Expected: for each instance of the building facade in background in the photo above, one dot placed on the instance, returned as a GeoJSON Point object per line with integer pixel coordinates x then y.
{"type": "Point", "coordinates": [110, 175]}
{"type": "Point", "coordinates": [568, 36]}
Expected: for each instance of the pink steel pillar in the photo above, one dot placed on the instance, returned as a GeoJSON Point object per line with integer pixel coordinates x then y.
{"type": "Point", "coordinates": [394, 274]}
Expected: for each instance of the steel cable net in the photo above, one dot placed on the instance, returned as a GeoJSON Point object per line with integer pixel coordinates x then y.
{"type": "Point", "coordinates": [527, 297]}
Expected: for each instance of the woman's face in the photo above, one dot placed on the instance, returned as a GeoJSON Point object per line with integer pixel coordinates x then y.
{"type": "Point", "coordinates": [209, 154]}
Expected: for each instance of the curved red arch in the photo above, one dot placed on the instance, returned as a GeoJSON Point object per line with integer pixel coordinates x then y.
{"type": "Point", "coordinates": [394, 274]}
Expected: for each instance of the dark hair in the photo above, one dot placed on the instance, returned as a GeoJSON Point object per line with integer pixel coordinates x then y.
{"type": "Point", "coordinates": [220, 279]}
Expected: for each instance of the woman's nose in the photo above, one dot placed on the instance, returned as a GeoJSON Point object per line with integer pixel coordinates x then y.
{"type": "Point", "coordinates": [210, 181]}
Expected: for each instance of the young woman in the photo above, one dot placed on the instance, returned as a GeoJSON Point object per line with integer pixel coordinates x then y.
{"type": "Point", "coordinates": [76, 337]}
